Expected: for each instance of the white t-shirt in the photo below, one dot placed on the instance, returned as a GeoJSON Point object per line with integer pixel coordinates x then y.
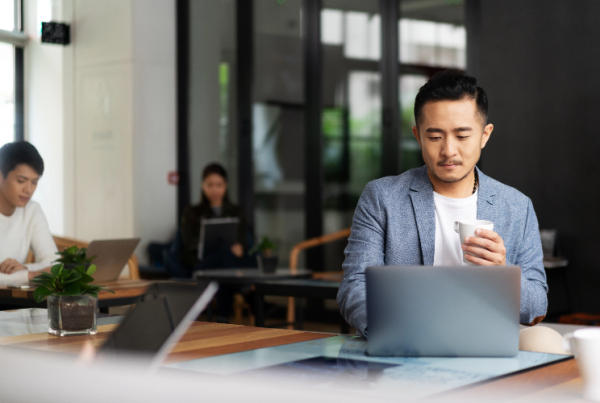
{"type": "Point", "coordinates": [448, 250]}
{"type": "Point", "coordinates": [27, 228]}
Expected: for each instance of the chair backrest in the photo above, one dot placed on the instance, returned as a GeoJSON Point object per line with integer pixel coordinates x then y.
{"type": "Point", "coordinates": [312, 242]}
{"type": "Point", "coordinates": [63, 243]}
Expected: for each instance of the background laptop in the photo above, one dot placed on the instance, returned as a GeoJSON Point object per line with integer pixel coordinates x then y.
{"type": "Point", "coordinates": [111, 256]}
{"type": "Point", "coordinates": [466, 311]}
{"type": "Point", "coordinates": [153, 327]}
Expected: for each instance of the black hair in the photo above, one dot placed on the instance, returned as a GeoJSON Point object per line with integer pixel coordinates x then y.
{"type": "Point", "coordinates": [20, 152]}
{"type": "Point", "coordinates": [214, 168]}
{"type": "Point", "coordinates": [451, 85]}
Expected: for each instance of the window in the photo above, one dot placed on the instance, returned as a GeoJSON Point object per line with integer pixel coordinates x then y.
{"type": "Point", "coordinates": [432, 43]}
{"type": "Point", "coordinates": [11, 72]}
{"type": "Point", "coordinates": [7, 93]}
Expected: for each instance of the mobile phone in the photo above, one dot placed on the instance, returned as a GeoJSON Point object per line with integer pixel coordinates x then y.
{"type": "Point", "coordinates": [19, 287]}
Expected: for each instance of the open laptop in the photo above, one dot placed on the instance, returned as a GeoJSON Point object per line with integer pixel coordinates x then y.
{"type": "Point", "coordinates": [153, 327]}
{"type": "Point", "coordinates": [425, 311]}
{"type": "Point", "coordinates": [111, 256]}
{"type": "Point", "coordinates": [217, 233]}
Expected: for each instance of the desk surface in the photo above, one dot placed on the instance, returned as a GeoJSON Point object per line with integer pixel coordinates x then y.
{"type": "Point", "coordinates": [121, 288]}
{"type": "Point", "coordinates": [220, 349]}
{"type": "Point", "coordinates": [247, 276]}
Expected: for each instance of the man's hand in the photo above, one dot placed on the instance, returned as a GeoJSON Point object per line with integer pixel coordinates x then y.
{"type": "Point", "coordinates": [11, 266]}
{"type": "Point", "coordinates": [493, 252]}
{"type": "Point", "coordinates": [237, 250]}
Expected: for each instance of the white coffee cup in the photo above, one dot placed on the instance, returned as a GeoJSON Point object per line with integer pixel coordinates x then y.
{"type": "Point", "coordinates": [466, 228]}
{"type": "Point", "coordinates": [585, 344]}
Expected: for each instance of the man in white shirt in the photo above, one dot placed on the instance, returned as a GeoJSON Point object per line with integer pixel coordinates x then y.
{"type": "Point", "coordinates": [23, 225]}
{"type": "Point", "coordinates": [408, 220]}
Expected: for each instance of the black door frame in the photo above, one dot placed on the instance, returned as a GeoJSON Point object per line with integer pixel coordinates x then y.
{"type": "Point", "coordinates": [312, 52]}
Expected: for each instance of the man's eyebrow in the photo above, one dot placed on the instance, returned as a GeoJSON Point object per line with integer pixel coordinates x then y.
{"type": "Point", "coordinates": [434, 130]}
{"type": "Point", "coordinates": [25, 177]}
{"type": "Point", "coordinates": [463, 129]}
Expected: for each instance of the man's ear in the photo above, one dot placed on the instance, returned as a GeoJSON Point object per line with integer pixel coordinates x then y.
{"type": "Point", "coordinates": [415, 131]}
{"type": "Point", "coordinates": [487, 132]}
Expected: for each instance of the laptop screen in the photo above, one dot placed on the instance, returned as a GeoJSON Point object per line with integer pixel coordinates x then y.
{"type": "Point", "coordinates": [162, 311]}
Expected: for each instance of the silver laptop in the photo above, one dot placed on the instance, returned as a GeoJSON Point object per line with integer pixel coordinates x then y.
{"type": "Point", "coordinates": [437, 311]}
{"type": "Point", "coordinates": [111, 257]}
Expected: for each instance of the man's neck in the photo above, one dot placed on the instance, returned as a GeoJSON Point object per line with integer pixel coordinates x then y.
{"type": "Point", "coordinates": [6, 208]}
{"type": "Point", "coordinates": [454, 190]}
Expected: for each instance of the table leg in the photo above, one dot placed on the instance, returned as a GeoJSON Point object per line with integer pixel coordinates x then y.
{"type": "Point", "coordinates": [259, 309]}
{"type": "Point", "coordinates": [209, 311]}
{"type": "Point", "coordinates": [298, 323]}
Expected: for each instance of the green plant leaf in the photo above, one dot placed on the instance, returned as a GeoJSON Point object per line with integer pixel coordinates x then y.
{"type": "Point", "coordinates": [75, 277]}
{"type": "Point", "coordinates": [70, 250]}
{"type": "Point", "coordinates": [56, 269]}
{"type": "Point", "coordinates": [91, 270]}
{"type": "Point", "coordinates": [42, 282]}
{"type": "Point", "coordinates": [41, 293]}
{"type": "Point", "coordinates": [86, 278]}
{"type": "Point", "coordinates": [71, 289]}
{"type": "Point", "coordinates": [44, 275]}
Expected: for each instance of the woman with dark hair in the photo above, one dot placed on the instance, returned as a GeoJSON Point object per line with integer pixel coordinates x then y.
{"type": "Point", "coordinates": [214, 203]}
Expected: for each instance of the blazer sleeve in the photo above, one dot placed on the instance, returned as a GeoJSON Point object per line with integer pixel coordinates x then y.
{"type": "Point", "coordinates": [534, 289]}
{"type": "Point", "coordinates": [366, 247]}
{"type": "Point", "coordinates": [42, 244]}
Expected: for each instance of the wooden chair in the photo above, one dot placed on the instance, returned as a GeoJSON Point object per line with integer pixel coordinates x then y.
{"type": "Point", "coordinates": [295, 252]}
{"type": "Point", "coordinates": [63, 243]}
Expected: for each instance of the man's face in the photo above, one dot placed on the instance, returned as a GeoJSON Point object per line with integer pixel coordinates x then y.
{"type": "Point", "coordinates": [19, 185]}
{"type": "Point", "coordinates": [451, 135]}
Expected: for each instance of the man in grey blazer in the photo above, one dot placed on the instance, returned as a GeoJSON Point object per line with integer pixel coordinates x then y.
{"type": "Point", "coordinates": [405, 220]}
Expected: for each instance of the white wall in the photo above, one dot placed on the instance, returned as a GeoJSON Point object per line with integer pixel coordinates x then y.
{"type": "Point", "coordinates": [102, 113]}
{"type": "Point", "coordinates": [154, 125]}
{"type": "Point", "coordinates": [103, 119]}
{"type": "Point", "coordinates": [49, 117]}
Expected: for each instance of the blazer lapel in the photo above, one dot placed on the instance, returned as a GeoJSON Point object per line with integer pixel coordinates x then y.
{"type": "Point", "coordinates": [486, 209]}
{"type": "Point", "coordinates": [421, 196]}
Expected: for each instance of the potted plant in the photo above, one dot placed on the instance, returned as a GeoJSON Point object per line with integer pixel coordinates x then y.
{"type": "Point", "coordinates": [74, 256]}
{"type": "Point", "coordinates": [267, 261]}
{"type": "Point", "coordinates": [72, 300]}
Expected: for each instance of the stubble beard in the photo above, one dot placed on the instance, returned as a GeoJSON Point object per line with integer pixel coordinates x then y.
{"type": "Point", "coordinates": [432, 172]}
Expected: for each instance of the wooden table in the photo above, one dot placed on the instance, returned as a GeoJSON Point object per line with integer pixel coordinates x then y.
{"type": "Point", "coordinates": [203, 339]}
{"type": "Point", "coordinates": [126, 292]}
{"type": "Point", "coordinates": [559, 382]}
{"type": "Point", "coordinates": [554, 382]}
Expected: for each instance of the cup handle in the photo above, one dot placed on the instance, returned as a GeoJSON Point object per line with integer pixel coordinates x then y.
{"type": "Point", "coordinates": [567, 342]}
{"type": "Point", "coordinates": [457, 227]}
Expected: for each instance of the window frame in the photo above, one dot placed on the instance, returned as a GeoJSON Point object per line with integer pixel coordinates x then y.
{"type": "Point", "coordinates": [18, 39]}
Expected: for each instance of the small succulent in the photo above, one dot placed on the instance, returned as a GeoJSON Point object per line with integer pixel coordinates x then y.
{"type": "Point", "coordinates": [67, 282]}
{"type": "Point", "coordinates": [74, 255]}
{"type": "Point", "coordinates": [265, 246]}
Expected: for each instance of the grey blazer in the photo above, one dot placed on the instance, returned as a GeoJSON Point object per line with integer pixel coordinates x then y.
{"type": "Point", "coordinates": [394, 225]}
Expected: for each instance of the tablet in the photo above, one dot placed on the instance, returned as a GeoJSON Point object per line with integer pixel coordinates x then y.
{"type": "Point", "coordinates": [159, 320]}
{"type": "Point", "coordinates": [217, 233]}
